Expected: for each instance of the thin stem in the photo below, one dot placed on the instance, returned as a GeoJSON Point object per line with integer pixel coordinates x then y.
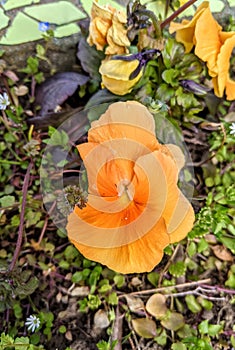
{"type": "Point", "coordinates": [176, 13]}
{"type": "Point", "coordinates": [168, 288]}
{"type": "Point", "coordinates": [21, 226]}
{"type": "Point", "coordinates": [154, 20]}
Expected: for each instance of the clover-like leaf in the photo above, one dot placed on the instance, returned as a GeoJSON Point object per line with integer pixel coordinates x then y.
{"type": "Point", "coordinates": [57, 89]}
{"type": "Point", "coordinates": [156, 306]}
{"type": "Point", "coordinates": [144, 327]}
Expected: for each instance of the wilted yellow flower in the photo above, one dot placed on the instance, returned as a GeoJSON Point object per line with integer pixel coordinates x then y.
{"type": "Point", "coordinates": [212, 46]}
{"type": "Point", "coordinates": [107, 27]}
{"type": "Point", "coordinates": [116, 75]}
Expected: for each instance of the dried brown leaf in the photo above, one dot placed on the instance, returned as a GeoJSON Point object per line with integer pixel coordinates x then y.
{"type": "Point", "coordinates": [145, 327]}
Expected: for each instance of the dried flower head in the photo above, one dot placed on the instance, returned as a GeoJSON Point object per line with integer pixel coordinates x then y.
{"type": "Point", "coordinates": [107, 28]}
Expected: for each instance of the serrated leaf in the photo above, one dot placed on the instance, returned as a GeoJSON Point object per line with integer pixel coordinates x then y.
{"type": "Point", "coordinates": [144, 327]}
{"type": "Point", "coordinates": [19, 343]}
{"type": "Point", "coordinates": [156, 306]}
{"type": "Point", "coordinates": [55, 90]}
{"type": "Point", "coordinates": [173, 322]}
{"type": "Point", "coordinates": [7, 201]}
{"type": "Point", "coordinates": [177, 269]}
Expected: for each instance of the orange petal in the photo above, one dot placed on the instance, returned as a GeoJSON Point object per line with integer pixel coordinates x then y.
{"type": "Point", "coordinates": [129, 120]}
{"type": "Point", "coordinates": [208, 41]}
{"type": "Point", "coordinates": [223, 63]}
{"type": "Point", "coordinates": [140, 256]}
{"type": "Point", "coordinates": [178, 212]}
{"type": "Point", "coordinates": [230, 89]}
{"type": "Point", "coordinates": [88, 226]}
{"type": "Point", "coordinates": [185, 30]}
{"type": "Point", "coordinates": [181, 221]}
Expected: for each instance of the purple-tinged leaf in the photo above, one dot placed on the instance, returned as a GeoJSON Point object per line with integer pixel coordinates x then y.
{"type": "Point", "coordinates": [90, 59]}
{"type": "Point", "coordinates": [55, 90]}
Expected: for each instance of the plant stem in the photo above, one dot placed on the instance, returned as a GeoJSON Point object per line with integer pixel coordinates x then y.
{"type": "Point", "coordinates": [168, 288]}
{"type": "Point", "coordinates": [176, 13]}
{"type": "Point", "coordinates": [21, 226]}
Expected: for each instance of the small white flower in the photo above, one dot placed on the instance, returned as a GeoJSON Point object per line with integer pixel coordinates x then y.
{"type": "Point", "coordinates": [32, 323]}
{"type": "Point", "coordinates": [4, 101]}
{"type": "Point", "coordinates": [232, 128]}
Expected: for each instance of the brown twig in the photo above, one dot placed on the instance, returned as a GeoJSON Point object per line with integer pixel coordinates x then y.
{"type": "Point", "coordinates": [163, 289]}
{"type": "Point", "coordinates": [21, 226]}
{"type": "Point", "coordinates": [176, 13]}
{"type": "Point", "coordinates": [168, 264]}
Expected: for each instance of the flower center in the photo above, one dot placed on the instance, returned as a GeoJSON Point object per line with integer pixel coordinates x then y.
{"type": "Point", "coordinates": [125, 190]}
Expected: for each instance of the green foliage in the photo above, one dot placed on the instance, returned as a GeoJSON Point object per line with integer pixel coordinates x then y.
{"type": "Point", "coordinates": [19, 343]}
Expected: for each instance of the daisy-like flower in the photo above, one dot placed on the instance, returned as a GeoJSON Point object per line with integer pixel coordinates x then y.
{"type": "Point", "coordinates": [4, 101]}
{"type": "Point", "coordinates": [134, 208]}
{"type": "Point", "coordinates": [232, 128]}
{"type": "Point", "coordinates": [32, 323]}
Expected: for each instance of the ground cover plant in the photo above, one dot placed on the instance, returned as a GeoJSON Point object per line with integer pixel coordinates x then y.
{"type": "Point", "coordinates": [142, 130]}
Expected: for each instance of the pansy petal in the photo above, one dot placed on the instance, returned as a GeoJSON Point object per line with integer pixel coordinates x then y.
{"type": "Point", "coordinates": [132, 258]}
{"type": "Point", "coordinates": [230, 89]}
{"type": "Point", "coordinates": [208, 46]}
{"type": "Point", "coordinates": [185, 30]}
{"type": "Point", "coordinates": [181, 221]}
{"type": "Point", "coordinates": [127, 113]}
{"type": "Point", "coordinates": [131, 223]}
{"type": "Point", "coordinates": [223, 63]}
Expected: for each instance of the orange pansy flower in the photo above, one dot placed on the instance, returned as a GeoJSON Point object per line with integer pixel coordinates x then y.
{"type": "Point", "coordinates": [134, 208]}
{"type": "Point", "coordinates": [107, 28]}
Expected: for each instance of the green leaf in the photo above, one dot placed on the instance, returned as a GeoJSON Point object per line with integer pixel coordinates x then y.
{"type": "Point", "coordinates": [144, 327]}
{"type": "Point", "coordinates": [153, 278]}
{"type": "Point", "coordinates": [173, 321]}
{"type": "Point", "coordinates": [170, 77]}
{"type": "Point", "coordinates": [19, 343]}
{"type": "Point", "coordinates": [119, 280]}
{"type": "Point", "coordinates": [177, 269]}
{"type": "Point", "coordinates": [112, 299]}
{"type": "Point", "coordinates": [229, 243]}
{"type": "Point", "coordinates": [12, 4]}
{"type": "Point", "coordinates": [192, 304]}
{"type": "Point", "coordinates": [7, 201]}
{"type": "Point", "coordinates": [178, 346]}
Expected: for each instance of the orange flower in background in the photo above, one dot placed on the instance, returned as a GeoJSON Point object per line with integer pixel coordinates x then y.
{"type": "Point", "coordinates": [107, 27]}
{"type": "Point", "coordinates": [134, 208]}
{"type": "Point", "coordinates": [212, 46]}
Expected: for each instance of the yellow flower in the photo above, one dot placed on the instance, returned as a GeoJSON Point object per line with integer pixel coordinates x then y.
{"type": "Point", "coordinates": [135, 208]}
{"type": "Point", "coordinates": [116, 73]}
{"type": "Point", "coordinates": [107, 28]}
{"type": "Point", "coordinates": [212, 46]}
